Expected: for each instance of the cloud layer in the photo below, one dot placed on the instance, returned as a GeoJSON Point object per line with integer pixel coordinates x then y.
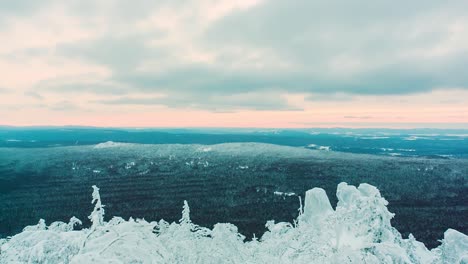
{"type": "Point", "coordinates": [228, 56]}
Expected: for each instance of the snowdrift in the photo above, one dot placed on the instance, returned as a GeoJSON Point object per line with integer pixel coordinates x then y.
{"type": "Point", "coordinates": [357, 231]}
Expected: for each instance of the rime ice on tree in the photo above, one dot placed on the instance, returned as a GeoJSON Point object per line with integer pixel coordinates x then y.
{"type": "Point", "coordinates": [97, 216]}
{"type": "Point", "coordinates": [185, 214]}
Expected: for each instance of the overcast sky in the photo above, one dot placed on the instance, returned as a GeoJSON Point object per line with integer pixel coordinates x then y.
{"type": "Point", "coordinates": [245, 63]}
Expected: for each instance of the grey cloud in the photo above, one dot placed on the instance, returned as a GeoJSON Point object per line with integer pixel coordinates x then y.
{"type": "Point", "coordinates": [4, 90]}
{"type": "Point", "coordinates": [60, 106]}
{"type": "Point", "coordinates": [64, 105]}
{"type": "Point", "coordinates": [119, 11]}
{"type": "Point", "coordinates": [76, 86]}
{"type": "Point", "coordinates": [313, 29]}
{"type": "Point", "coordinates": [209, 80]}
{"type": "Point", "coordinates": [21, 7]}
{"type": "Point", "coordinates": [308, 35]}
{"type": "Point", "coordinates": [212, 103]}
{"type": "Point", "coordinates": [199, 79]}
{"type": "Point", "coordinates": [118, 53]}
{"type": "Point", "coordinates": [333, 97]}
{"type": "Point", "coordinates": [34, 95]}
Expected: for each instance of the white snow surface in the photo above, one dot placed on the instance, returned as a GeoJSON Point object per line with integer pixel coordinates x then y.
{"type": "Point", "coordinates": [111, 144]}
{"type": "Point", "coordinates": [284, 194]}
{"type": "Point", "coordinates": [326, 148]}
{"type": "Point", "coordinates": [357, 231]}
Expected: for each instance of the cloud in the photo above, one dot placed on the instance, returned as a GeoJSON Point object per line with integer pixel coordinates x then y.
{"type": "Point", "coordinates": [357, 117]}
{"type": "Point", "coordinates": [4, 90]}
{"type": "Point", "coordinates": [34, 95]}
{"type": "Point", "coordinates": [363, 47]}
{"type": "Point", "coordinates": [79, 84]}
{"type": "Point", "coordinates": [215, 103]}
{"type": "Point", "coordinates": [64, 105]}
{"type": "Point", "coordinates": [231, 55]}
{"type": "Point", "coordinates": [120, 53]}
{"type": "Point", "coordinates": [20, 7]}
{"type": "Point", "coordinates": [331, 97]}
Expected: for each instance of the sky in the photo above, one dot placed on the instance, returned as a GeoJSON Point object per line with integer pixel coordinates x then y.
{"type": "Point", "coordinates": [228, 63]}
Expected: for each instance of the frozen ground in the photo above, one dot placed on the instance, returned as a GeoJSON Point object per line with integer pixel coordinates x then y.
{"type": "Point", "coordinates": [357, 231]}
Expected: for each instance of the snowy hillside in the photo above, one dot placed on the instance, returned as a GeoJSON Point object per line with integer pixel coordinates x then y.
{"type": "Point", "coordinates": [357, 231]}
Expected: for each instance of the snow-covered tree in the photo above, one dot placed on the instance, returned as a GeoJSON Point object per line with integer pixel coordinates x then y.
{"type": "Point", "coordinates": [185, 220]}
{"type": "Point", "coordinates": [97, 216]}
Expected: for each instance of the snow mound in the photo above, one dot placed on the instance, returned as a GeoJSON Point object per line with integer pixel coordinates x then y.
{"type": "Point", "coordinates": [110, 144]}
{"type": "Point", "coordinates": [357, 231]}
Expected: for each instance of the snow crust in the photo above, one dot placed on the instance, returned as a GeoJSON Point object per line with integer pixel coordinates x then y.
{"type": "Point", "coordinates": [357, 231]}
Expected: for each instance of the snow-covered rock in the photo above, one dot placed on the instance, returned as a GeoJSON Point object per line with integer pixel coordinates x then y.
{"type": "Point", "coordinates": [317, 207]}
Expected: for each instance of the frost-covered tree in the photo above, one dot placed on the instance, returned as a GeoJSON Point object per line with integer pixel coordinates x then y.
{"type": "Point", "coordinates": [97, 216]}
{"type": "Point", "coordinates": [185, 220]}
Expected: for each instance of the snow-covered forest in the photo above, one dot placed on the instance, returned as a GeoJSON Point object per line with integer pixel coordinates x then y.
{"type": "Point", "coordinates": [358, 230]}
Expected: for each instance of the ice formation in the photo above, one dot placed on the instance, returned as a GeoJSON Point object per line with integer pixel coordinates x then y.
{"type": "Point", "coordinates": [357, 231]}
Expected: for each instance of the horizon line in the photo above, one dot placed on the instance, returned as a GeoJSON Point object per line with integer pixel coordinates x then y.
{"type": "Point", "coordinates": [465, 127]}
